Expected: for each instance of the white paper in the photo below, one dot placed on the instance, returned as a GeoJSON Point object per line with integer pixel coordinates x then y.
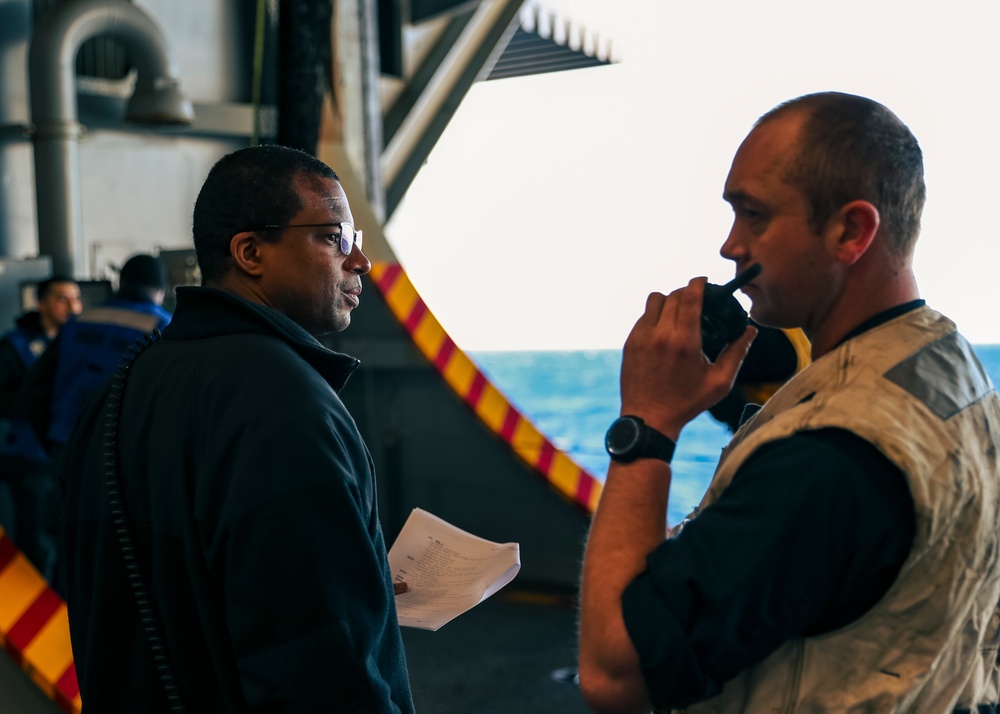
{"type": "Point", "coordinates": [447, 570]}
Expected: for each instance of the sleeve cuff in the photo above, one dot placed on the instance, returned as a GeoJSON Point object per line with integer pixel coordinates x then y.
{"type": "Point", "coordinates": [669, 665]}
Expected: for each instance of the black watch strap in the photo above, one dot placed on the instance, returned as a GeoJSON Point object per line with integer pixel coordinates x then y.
{"type": "Point", "coordinates": [629, 438]}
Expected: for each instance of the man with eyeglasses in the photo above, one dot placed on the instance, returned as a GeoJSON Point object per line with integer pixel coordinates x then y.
{"type": "Point", "coordinates": [240, 565]}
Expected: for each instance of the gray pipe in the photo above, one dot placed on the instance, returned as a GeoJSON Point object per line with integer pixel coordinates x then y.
{"type": "Point", "coordinates": [51, 63]}
{"type": "Point", "coordinates": [371, 106]}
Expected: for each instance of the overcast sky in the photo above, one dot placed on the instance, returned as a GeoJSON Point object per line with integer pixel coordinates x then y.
{"type": "Point", "coordinates": [554, 204]}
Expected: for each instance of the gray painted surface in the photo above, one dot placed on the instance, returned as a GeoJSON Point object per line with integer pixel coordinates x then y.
{"type": "Point", "coordinates": [19, 695]}
{"type": "Point", "coordinates": [515, 653]}
{"type": "Point", "coordinates": [14, 274]}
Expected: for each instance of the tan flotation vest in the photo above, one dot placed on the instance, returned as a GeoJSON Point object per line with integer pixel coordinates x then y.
{"type": "Point", "coordinates": [913, 388]}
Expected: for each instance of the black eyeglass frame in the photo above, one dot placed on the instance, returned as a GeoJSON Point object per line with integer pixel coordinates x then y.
{"type": "Point", "coordinates": [346, 245]}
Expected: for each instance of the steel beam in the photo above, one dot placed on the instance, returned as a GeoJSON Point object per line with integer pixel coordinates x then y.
{"type": "Point", "coordinates": [466, 51]}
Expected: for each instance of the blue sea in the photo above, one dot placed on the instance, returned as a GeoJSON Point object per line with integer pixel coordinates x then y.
{"type": "Point", "coordinates": [572, 397]}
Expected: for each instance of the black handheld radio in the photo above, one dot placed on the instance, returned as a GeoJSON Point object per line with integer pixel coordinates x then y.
{"type": "Point", "coordinates": [723, 319]}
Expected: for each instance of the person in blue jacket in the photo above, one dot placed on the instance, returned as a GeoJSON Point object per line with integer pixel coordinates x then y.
{"type": "Point", "coordinates": [90, 347]}
{"type": "Point", "coordinates": [28, 500]}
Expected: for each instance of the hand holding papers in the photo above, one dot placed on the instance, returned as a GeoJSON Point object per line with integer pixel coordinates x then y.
{"type": "Point", "coordinates": [448, 570]}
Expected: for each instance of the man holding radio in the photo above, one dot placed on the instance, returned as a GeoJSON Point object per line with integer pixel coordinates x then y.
{"type": "Point", "coordinates": [845, 556]}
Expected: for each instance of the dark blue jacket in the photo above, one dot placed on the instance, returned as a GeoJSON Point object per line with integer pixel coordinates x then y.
{"type": "Point", "coordinates": [19, 351]}
{"type": "Point", "coordinates": [252, 500]}
{"type": "Point", "coordinates": [86, 353]}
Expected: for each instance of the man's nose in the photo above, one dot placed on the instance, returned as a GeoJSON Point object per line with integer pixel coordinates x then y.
{"type": "Point", "coordinates": [357, 262]}
{"type": "Point", "coordinates": [733, 248]}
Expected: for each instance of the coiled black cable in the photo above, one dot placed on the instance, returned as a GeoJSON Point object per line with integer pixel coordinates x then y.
{"type": "Point", "coordinates": [112, 470]}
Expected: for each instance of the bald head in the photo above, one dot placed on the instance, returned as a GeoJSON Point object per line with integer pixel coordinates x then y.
{"type": "Point", "coordinates": [853, 148]}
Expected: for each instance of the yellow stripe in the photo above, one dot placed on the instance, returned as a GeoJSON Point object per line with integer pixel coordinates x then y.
{"type": "Point", "coordinates": [459, 373]}
{"type": "Point", "coordinates": [595, 496]}
{"type": "Point", "coordinates": [401, 298]}
{"type": "Point", "coordinates": [527, 441]}
{"type": "Point", "coordinates": [377, 271]}
{"type": "Point", "coordinates": [492, 407]}
{"type": "Point", "coordinates": [429, 336]}
{"type": "Point", "coordinates": [20, 585]}
{"type": "Point", "coordinates": [50, 651]}
{"type": "Point", "coordinates": [564, 474]}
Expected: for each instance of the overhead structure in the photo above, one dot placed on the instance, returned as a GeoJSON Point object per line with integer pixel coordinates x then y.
{"type": "Point", "coordinates": [476, 41]}
{"type": "Point", "coordinates": [547, 42]}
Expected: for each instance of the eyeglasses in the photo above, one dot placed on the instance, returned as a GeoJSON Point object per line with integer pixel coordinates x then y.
{"type": "Point", "coordinates": [348, 236]}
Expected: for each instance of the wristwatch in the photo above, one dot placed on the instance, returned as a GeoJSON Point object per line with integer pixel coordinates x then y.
{"type": "Point", "coordinates": [629, 439]}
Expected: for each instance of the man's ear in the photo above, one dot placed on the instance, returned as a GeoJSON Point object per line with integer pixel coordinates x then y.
{"type": "Point", "coordinates": [853, 229]}
{"type": "Point", "coordinates": [244, 249]}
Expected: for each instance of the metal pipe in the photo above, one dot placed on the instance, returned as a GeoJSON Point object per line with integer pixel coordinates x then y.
{"type": "Point", "coordinates": [17, 197]}
{"type": "Point", "coordinates": [371, 107]}
{"type": "Point", "coordinates": [51, 63]}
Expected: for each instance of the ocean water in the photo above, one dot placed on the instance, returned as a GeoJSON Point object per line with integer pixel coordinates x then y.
{"type": "Point", "coordinates": [572, 397]}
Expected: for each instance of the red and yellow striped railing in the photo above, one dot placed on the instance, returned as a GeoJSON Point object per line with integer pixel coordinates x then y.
{"type": "Point", "coordinates": [34, 628]}
{"type": "Point", "coordinates": [489, 404]}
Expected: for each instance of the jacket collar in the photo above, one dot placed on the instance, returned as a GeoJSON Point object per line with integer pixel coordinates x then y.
{"type": "Point", "coordinates": [882, 317]}
{"type": "Point", "coordinates": [208, 312]}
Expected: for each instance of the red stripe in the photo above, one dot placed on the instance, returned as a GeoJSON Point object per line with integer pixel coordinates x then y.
{"type": "Point", "coordinates": [544, 463]}
{"type": "Point", "coordinates": [584, 486]}
{"type": "Point", "coordinates": [389, 277]}
{"type": "Point", "coordinates": [510, 421]}
{"type": "Point", "coordinates": [476, 389]}
{"type": "Point", "coordinates": [67, 686]}
{"type": "Point", "coordinates": [34, 619]}
{"type": "Point", "coordinates": [416, 315]}
{"type": "Point", "coordinates": [7, 552]}
{"type": "Point", "coordinates": [444, 354]}
{"type": "Point", "coordinates": [65, 704]}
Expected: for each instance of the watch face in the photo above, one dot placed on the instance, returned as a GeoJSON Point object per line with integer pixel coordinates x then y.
{"type": "Point", "coordinates": [622, 436]}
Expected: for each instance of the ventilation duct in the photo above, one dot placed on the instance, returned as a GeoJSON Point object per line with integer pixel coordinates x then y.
{"type": "Point", "coordinates": [51, 62]}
